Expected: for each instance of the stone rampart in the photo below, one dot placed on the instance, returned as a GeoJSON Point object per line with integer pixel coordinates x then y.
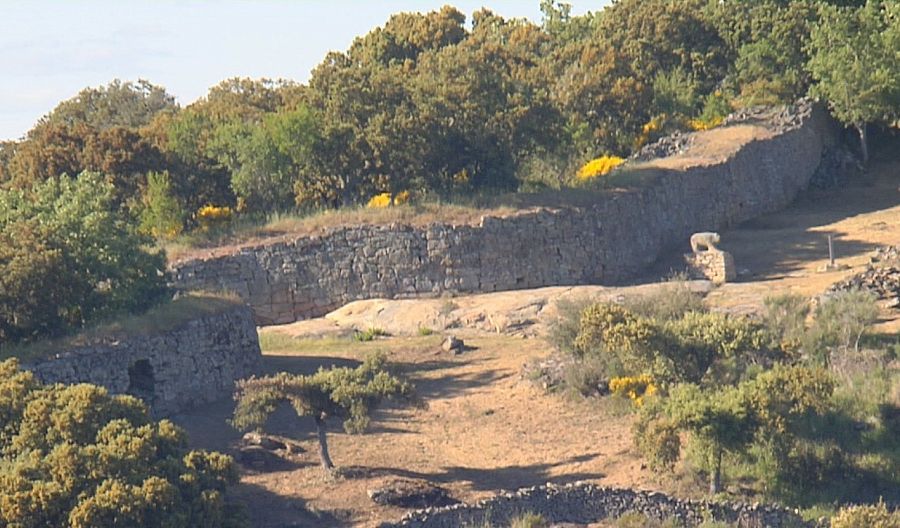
{"type": "Point", "coordinates": [582, 503]}
{"type": "Point", "coordinates": [613, 239]}
{"type": "Point", "coordinates": [194, 363]}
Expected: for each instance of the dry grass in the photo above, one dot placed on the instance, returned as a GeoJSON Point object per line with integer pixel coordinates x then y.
{"type": "Point", "coordinates": [285, 224]}
{"type": "Point", "coordinates": [159, 319]}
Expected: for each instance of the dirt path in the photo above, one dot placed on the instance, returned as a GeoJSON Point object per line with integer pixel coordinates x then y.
{"type": "Point", "coordinates": [485, 429]}
{"type": "Point", "coordinates": [488, 429]}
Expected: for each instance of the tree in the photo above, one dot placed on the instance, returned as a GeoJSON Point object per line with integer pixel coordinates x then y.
{"type": "Point", "coordinates": [68, 256]}
{"type": "Point", "coordinates": [118, 104]}
{"type": "Point", "coordinates": [350, 394]}
{"type": "Point", "coordinates": [768, 410]}
{"type": "Point", "coordinates": [717, 421]}
{"type": "Point", "coordinates": [77, 456]}
{"type": "Point", "coordinates": [856, 65]}
{"type": "Point", "coordinates": [161, 216]}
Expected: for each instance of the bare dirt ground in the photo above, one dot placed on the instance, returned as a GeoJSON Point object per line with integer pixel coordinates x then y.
{"type": "Point", "coordinates": [486, 428]}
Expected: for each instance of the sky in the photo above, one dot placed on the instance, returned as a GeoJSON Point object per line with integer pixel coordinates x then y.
{"type": "Point", "coordinates": [51, 49]}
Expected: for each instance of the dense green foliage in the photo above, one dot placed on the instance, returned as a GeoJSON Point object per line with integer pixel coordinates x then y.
{"type": "Point", "coordinates": [430, 105]}
{"type": "Point", "coordinates": [74, 456]}
{"type": "Point", "coordinates": [68, 255]}
{"type": "Point", "coordinates": [347, 393]}
{"type": "Point", "coordinates": [803, 411]}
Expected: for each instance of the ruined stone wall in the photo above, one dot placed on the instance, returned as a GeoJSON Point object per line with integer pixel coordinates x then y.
{"type": "Point", "coordinates": [586, 503]}
{"type": "Point", "coordinates": [194, 363]}
{"type": "Point", "coordinates": [612, 240]}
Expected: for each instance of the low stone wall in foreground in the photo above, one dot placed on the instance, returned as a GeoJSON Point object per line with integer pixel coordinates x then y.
{"type": "Point", "coordinates": [582, 503]}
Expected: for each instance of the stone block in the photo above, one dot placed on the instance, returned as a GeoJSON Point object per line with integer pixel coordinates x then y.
{"type": "Point", "coordinates": [717, 266]}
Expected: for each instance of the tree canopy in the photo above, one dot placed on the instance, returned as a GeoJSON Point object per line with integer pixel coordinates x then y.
{"type": "Point", "coordinates": [350, 394]}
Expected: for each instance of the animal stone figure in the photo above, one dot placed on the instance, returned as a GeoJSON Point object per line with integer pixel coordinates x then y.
{"type": "Point", "coordinates": [705, 240]}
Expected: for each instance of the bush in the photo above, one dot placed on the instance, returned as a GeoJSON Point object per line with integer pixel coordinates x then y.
{"type": "Point", "coordinates": [671, 300]}
{"type": "Point", "coordinates": [598, 167]}
{"type": "Point", "coordinates": [214, 218]}
{"type": "Point", "coordinates": [563, 330]}
{"type": "Point", "coordinates": [868, 516]}
{"type": "Point", "coordinates": [76, 456]}
{"type": "Point", "coordinates": [369, 334]}
{"type": "Point", "coordinates": [635, 388]}
{"type": "Point", "coordinates": [528, 520]}
{"type": "Point", "coordinates": [68, 256]}
{"type": "Point", "coordinates": [708, 347]}
{"type": "Point", "coordinates": [656, 438]}
{"type": "Point", "coordinates": [784, 317]}
{"type": "Point", "coordinates": [839, 324]}
{"type": "Point", "coordinates": [586, 377]}
{"type": "Point", "coordinates": [162, 217]}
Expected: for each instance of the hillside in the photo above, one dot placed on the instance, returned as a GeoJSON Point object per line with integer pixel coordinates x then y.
{"type": "Point", "coordinates": [488, 427]}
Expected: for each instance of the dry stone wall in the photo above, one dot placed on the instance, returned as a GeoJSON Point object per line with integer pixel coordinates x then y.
{"type": "Point", "coordinates": [582, 503]}
{"type": "Point", "coordinates": [196, 362]}
{"type": "Point", "coordinates": [612, 240]}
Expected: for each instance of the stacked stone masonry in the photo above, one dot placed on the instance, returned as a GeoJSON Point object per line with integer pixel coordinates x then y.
{"type": "Point", "coordinates": [717, 266]}
{"type": "Point", "coordinates": [610, 241]}
{"type": "Point", "coordinates": [582, 503]}
{"type": "Point", "coordinates": [195, 363]}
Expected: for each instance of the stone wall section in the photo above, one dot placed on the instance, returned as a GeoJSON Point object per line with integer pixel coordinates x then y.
{"type": "Point", "coordinates": [194, 363]}
{"type": "Point", "coordinates": [582, 503]}
{"type": "Point", "coordinates": [610, 241]}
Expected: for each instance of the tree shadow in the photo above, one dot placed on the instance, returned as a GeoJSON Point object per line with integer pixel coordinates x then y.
{"type": "Point", "coordinates": [266, 509]}
{"type": "Point", "coordinates": [492, 479]}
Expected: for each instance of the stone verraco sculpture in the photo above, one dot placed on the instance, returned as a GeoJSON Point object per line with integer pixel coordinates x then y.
{"type": "Point", "coordinates": [705, 240]}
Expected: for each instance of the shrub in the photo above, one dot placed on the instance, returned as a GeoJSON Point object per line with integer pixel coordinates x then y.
{"type": "Point", "coordinates": [598, 167]}
{"type": "Point", "coordinates": [586, 377]}
{"type": "Point", "coordinates": [528, 520]}
{"type": "Point", "coordinates": [784, 317]}
{"type": "Point", "coordinates": [839, 324]}
{"type": "Point", "coordinates": [369, 334]}
{"type": "Point", "coordinates": [162, 217]}
{"type": "Point", "coordinates": [656, 438]}
{"type": "Point", "coordinates": [211, 217]}
{"type": "Point", "coordinates": [379, 201]}
{"type": "Point", "coordinates": [68, 256]}
{"type": "Point", "coordinates": [77, 456]}
{"type": "Point", "coordinates": [866, 516]}
{"type": "Point", "coordinates": [708, 347]}
{"type": "Point", "coordinates": [563, 330]}
{"type": "Point", "coordinates": [670, 300]}
{"type": "Point", "coordinates": [635, 388]}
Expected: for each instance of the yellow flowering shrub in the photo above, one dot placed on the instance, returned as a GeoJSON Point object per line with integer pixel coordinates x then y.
{"type": "Point", "coordinates": [636, 388]}
{"type": "Point", "coordinates": [650, 129]}
{"type": "Point", "coordinates": [380, 201]}
{"type": "Point", "coordinates": [598, 167]}
{"type": "Point", "coordinates": [401, 198]}
{"type": "Point", "coordinates": [210, 216]}
{"type": "Point", "coordinates": [705, 124]}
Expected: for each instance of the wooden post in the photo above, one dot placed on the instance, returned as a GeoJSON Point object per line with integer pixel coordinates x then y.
{"type": "Point", "coordinates": [830, 251]}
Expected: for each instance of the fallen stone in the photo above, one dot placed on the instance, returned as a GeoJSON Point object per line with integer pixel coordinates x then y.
{"type": "Point", "coordinates": [406, 493]}
{"type": "Point", "coordinates": [453, 344]}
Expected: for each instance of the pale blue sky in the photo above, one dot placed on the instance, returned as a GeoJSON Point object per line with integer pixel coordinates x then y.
{"type": "Point", "coordinates": [49, 50]}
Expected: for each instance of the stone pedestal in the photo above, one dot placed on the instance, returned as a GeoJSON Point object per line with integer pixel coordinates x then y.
{"type": "Point", "coordinates": [717, 266]}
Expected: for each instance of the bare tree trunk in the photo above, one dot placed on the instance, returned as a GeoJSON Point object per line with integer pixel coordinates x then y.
{"type": "Point", "coordinates": [323, 444]}
{"type": "Point", "coordinates": [715, 471]}
{"type": "Point", "coordinates": [863, 142]}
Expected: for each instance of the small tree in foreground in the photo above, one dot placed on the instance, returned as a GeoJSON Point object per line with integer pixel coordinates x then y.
{"type": "Point", "coordinates": [342, 392]}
